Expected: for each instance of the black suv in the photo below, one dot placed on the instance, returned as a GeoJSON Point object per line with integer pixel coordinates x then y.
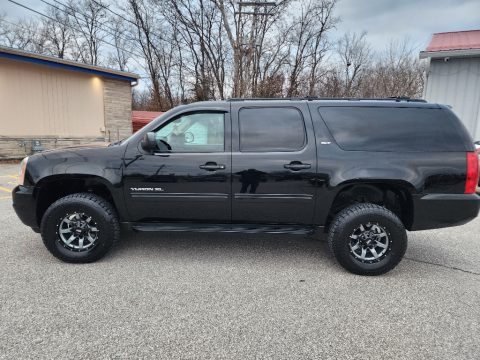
{"type": "Point", "coordinates": [364, 171]}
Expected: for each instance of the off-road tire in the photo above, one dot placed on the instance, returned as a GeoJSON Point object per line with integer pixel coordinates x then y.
{"type": "Point", "coordinates": [101, 211]}
{"type": "Point", "coordinates": [348, 220]}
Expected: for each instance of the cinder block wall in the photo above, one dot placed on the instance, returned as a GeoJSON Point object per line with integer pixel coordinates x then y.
{"type": "Point", "coordinates": [19, 147]}
{"type": "Point", "coordinates": [117, 99]}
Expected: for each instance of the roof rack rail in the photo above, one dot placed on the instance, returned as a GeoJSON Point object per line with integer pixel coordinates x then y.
{"type": "Point", "coordinates": [312, 98]}
{"type": "Point", "coordinates": [405, 98]}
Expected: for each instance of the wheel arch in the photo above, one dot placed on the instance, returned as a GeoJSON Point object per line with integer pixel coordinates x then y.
{"type": "Point", "coordinates": [395, 195]}
{"type": "Point", "coordinates": [54, 187]}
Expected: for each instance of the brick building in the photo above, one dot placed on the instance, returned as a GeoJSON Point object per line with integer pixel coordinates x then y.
{"type": "Point", "coordinates": [46, 103]}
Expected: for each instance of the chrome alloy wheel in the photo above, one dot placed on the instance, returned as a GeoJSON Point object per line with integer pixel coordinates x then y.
{"type": "Point", "coordinates": [369, 243]}
{"type": "Point", "coordinates": [77, 232]}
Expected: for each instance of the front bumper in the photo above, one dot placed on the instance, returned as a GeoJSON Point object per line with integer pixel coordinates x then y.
{"type": "Point", "coordinates": [25, 206]}
{"type": "Point", "coordinates": [443, 210]}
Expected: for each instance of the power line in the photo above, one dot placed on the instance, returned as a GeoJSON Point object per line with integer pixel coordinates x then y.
{"type": "Point", "coordinates": [76, 29]}
{"type": "Point", "coordinates": [113, 12]}
{"type": "Point", "coordinates": [63, 23]}
{"type": "Point", "coordinates": [71, 27]}
{"type": "Point", "coordinates": [85, 21]}
{"type": "Point", "coordinates": [14, 24]}
{"type": "Point", "coordinates": [24, 28]}
{"type": "Point", "coordinates": [85, 16]}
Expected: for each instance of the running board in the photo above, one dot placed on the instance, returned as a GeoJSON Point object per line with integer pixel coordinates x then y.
{"type": "Point", "coordinates": [224, 228]}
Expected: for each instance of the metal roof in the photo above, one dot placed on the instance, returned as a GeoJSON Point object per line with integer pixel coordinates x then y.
{"type": "Point", "coordinates": [453, 44]}
{"type": "Point", "coordinates": [142, 118]}
{"type": "Point", "coordinates": [26, 56]}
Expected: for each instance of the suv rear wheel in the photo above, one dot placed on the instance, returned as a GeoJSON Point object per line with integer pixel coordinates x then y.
{"type": "Point", "coordinates": [367, 239]}
{"type": "Point", "coordinates": [80, 228]}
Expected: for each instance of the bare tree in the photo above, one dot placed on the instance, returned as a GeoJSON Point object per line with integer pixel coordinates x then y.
{"type": "Point", "coordinates": [87, 18]}
{"type": "Point", "coordinates": [308, 44]}
{"type": "Point", "coordinates": [212, 49]}
{"type": "Point", "coordinates": [157, 40]}
{"type": "Point", "coordinates": [57, 33]}
{"type": "Point", "coordinates": [233, 38]}
{"type": "Point", "coordinates": [200, 29]}
{"type": "Point", "coordinates": [143, 25]}
{"type": "Point", "coordinates": [331, 83]}
{"type": "Point", "coordinates": [23, 34]}
{"type": "Point", "coordinates": [396, 72]}
{"type": "Point", "coordinates": [354, 53]}
{"type": "Point", "coordinates": [3, 25]}
{"type": "Point", "coordinates": [319, 46]}
{"type": "Point", "coordinates": [119, 33]}
{"type": "Point", "coordinates": [247, 31]}
{"type": "Point", "coordinates": [271, 66]}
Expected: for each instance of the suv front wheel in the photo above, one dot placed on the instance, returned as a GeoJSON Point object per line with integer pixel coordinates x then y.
{"type": "Point", "coordinates": [80, 228]}
{"type": "Point", "coordinates": [367, 239]}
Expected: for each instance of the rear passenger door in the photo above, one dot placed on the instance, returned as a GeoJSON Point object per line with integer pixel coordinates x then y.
{"type": "Point", "coordinates": [273, 163]}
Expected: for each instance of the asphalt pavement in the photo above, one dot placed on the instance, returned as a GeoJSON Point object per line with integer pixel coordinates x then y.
{"type": "Point", "coordinates": [218, 296]}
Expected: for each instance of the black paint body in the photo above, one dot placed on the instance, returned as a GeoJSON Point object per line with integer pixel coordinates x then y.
{"type": "Point", "coordinates": [254, 187]}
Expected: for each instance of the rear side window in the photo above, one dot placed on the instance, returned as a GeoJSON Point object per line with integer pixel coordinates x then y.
{"type": "Point", "coordinates": [392, 129]}
{"type": "Point", "coordinates": [271, 129]}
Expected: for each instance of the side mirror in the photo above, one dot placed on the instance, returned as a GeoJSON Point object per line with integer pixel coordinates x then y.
{"type": "Point", "coordinates": [148, 142]}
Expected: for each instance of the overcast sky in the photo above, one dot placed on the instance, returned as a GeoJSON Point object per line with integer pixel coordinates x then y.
{"type": "Point", "coordinates": [416, 19]}
{"type": "Point", "coordinates": [382, 19]}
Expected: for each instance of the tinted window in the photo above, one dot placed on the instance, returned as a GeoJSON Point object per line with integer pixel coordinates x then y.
{"type": "Point", "coordinates": [271, 129]}
{"type": "Point", "coordinates": [198, 132]}
{"type": "Point", "coordinates": [392, 129]}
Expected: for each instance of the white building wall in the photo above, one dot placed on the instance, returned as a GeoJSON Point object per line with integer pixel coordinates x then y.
{"type": "Point", "coordinates": [58, 108]}
{"type": "Point", "coordinates": [39, 100]}
{"type": "Point", "coordinates": [456, 82]}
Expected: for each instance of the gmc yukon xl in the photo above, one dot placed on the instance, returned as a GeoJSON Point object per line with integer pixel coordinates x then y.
{"type": "Point", "coordinates": [363, 171]}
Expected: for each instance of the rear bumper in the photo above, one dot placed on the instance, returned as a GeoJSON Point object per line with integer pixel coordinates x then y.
{"type": "Point", "coordinates": [25, 206]}
{"type": "Point", "coordinates": [443, 210]}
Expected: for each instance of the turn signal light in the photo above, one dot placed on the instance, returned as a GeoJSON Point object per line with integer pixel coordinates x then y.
{"type": "Point", "coordinates": [23, 168]}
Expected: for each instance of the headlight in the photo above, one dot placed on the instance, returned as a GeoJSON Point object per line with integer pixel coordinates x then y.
{"type": "Point", "coordinates": [23, 168]}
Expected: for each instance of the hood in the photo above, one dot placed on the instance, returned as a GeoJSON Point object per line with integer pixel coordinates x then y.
{"type": "Point", "coordinates": [89, 145]}
{"type": "Point", "coordinates": [72, 151]}
{"type": "Point", "coordinates": [95, 159]}
{"type": "Point", "coordinates": [93, 145]}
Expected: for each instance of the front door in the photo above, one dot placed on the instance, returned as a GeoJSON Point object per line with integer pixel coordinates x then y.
{"type": "Point", "coordinates": [273, 164]}
{"type": "Point", "coordinates": [188, 177]}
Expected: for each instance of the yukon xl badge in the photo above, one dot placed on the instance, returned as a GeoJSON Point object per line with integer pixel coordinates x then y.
{"type": "Point", "coordinates": [146, 189]}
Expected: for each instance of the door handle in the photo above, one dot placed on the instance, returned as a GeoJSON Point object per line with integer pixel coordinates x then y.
{"type": "Point", "coordinates": [212, 166]}
{"type": "Point", "coordinates": [297, 165]}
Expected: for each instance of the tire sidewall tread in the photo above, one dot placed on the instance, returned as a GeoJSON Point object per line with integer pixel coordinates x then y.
{"type": "Point", "coordinates": [347, 219]}
{"type": "Point", "coordinates": [104, 215]}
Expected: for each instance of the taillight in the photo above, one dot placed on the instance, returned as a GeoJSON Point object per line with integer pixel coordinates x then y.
{"type": "Point", "coordinates": [472, 173]}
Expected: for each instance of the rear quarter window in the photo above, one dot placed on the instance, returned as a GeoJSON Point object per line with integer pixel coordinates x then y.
{"type": "Point", "coordinates": [392, 129]}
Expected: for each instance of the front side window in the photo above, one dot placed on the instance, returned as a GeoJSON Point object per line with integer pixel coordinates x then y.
{"type": "Point", "coordinates": [197, 132]}
{"type": "Point", "coordinates": [271, 129]}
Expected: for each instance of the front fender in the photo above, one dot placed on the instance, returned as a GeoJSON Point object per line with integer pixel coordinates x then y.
{"type": "Point", "coordinates": [102, 166]}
